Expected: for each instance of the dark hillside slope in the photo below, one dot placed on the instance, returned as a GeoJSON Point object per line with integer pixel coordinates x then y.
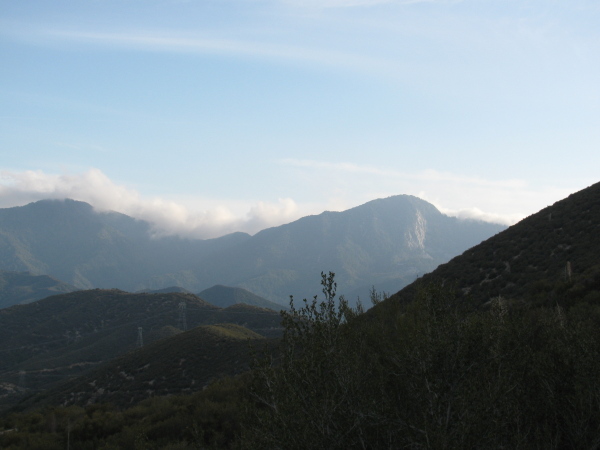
{"type": "Point", "coordinates": [555, 250]}
{"type": "Point", "coordinates": [183, 363]}
{"type": "Point", "coordinates": [386, 240]}
{"type": "Point", "coordinates": [61, 336]}
{"type": "Point", "coordinates": [166, 290]}
{"type": "Point", "coordinates": [22, 287]}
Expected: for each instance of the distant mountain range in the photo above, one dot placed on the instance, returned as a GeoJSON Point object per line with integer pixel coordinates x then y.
{"type": "Point", "coordinates": [386, 243]}
{"type": "Point", "coordinates": [68, 240]}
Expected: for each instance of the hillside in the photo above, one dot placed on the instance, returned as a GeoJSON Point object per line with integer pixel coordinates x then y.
{"type": "Point", "coordinates": [552, 252]}
{"type": "Point", "coordinates": [224, 296]}
{"type": "Point", "coordinates": [22, 287]}
{"type": "Point", "coordinates": [183, 363]}
{"type": "Point", "coordinates": [65, 335]}
{"type": "Point", "coordinates": [166, 290]}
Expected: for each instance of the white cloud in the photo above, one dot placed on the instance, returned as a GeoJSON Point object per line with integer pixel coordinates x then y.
{"type": "Point", "coordinates": [168, 217]}
{"type": "Point", "coordinates": [477, 214]}
{"type": "Point", "coordinates": [499, 201]}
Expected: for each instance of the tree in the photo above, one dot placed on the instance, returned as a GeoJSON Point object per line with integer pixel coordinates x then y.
{"type": "Point", "coordinates": [313, 393]}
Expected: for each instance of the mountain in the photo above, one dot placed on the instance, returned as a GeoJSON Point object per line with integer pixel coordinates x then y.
{"type": "Point", "coordinates": [225, 296]}
{"type": "Point", "coordinates": [68, 240]}
{"type": "Point", "coordinates": [62, 336]}
{"type": "Point", "coordinates": [22, 287]}
{"type": "Point", "coordinates": [386, 242]}
{"type": "Point", "coordinates": [546, 256]}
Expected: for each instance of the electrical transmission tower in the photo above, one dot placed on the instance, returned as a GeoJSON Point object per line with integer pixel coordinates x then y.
{"type": "Point", "coordinates": [140, 339]}
{"type": "Point", "coordinates": [182, 321]}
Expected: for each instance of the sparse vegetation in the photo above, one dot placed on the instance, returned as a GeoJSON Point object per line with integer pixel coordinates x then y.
{"type": "Point", "coordinates": [54, 340]}
{"type": "Point", "coordinates": [434, 376]}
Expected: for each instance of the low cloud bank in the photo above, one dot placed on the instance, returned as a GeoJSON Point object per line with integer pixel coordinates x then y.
{"type": "Point", "coordinates": [168, 217]}
{"type": "Point", "coordinates": [202, 217]}
{"type": "Point", "coordinates": [477, 214]}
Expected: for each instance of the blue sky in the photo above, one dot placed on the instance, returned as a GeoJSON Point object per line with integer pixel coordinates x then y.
{"type": "Point", "coordinates": [214, 116]}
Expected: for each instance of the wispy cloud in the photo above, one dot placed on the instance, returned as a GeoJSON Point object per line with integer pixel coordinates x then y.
{"type": "Point", "coordinates": [208, 44]}
{"type": "Point", "coordinates": [426, 175]}
{"type": "Point", "coordinates": [321, 52]}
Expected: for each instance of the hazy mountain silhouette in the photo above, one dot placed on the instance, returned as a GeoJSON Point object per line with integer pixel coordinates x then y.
{"type": "Point", "coordinates": [388, 241]}
{"type": "Point", "coordinates": [67, 239]}
{"type": "Point", "coordinates": [22, 287]}
{"type": "Point", "coordinates": [224, 296]}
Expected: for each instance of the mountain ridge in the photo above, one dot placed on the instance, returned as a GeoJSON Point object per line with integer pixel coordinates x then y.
{"type": "Point", "coordinates": [379, 241]}
{"type": "Point", "coordinates": [385, 241]}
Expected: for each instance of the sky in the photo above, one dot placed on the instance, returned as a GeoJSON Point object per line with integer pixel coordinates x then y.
{"type": "Point", "coordinates": [213, 116]}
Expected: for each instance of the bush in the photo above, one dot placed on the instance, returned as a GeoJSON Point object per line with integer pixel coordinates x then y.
{"type": "Point", "coordinates": [435, 377]}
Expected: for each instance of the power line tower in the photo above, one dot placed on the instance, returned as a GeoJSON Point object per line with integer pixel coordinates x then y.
{"type": "Point", "coordinates": [140, 339]}
{"type": "Point", "coordinates": [182, 320]}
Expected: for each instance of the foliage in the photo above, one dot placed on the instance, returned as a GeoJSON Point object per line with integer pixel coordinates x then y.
{"type": "Point", "coordinates": [434, 376]}
{"type": "Point", "coordinates": [63, 336]}
{"type": "Point", "coordinates": [204, 420]}
{"type": "Point", "coordinates": [312, 394]}
{"type": "Point", "coordinates": [430, 374]}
